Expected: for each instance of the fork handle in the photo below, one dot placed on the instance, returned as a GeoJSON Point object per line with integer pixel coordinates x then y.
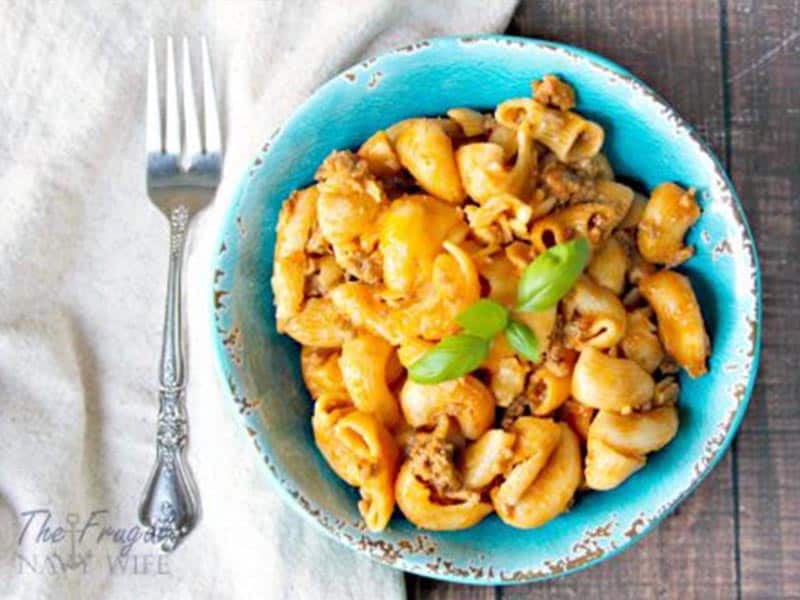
{"type": "Point", "coordinates": [170, 507]}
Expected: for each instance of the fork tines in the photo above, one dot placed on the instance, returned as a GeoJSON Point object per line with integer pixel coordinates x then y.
{"type": "Point", "coordinates": [196, 140]}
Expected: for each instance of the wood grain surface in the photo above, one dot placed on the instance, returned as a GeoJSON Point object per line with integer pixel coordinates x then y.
{"type": "Point", "coordinates": [732, 69]}
{"type": "Point", "coordinates": [762, 76]}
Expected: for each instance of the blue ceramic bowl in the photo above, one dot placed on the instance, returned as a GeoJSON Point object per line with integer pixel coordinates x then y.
{"type": "Point", "coordinates": [646, 140]}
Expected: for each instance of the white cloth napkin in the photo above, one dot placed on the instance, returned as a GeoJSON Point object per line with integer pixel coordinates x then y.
{"type": "Point", "coordinates": [82, 281]}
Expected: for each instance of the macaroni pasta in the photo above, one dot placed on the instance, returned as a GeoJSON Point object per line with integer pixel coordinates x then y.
{"type": "Point", "coordinates": [376, 262]}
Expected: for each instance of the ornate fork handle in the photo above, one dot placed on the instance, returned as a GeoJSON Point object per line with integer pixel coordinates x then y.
{"type": "Point", "coordinates": [170, 506]}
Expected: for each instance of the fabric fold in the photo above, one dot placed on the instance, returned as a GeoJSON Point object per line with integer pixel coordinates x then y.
{"type": "Point", "coordinates": [83, 260]}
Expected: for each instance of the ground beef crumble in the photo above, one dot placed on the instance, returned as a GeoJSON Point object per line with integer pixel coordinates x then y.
{"type": "Point", "coordinates": [514, 411]}
{"type": "Point", "coordinates": [342, 163]}
{"type": "Point", "coordinates": [551, 91]}
{"type": "Point", "coordinates": [431, 460]}
{"type": "Point", "coordinates": [564, 185]}
{"type": "Point", "coordinates": [666, 394]}
{"type": "Point", "coordinates": [365, 266]}
{"type": "Point", "coordinates": [559, 358]}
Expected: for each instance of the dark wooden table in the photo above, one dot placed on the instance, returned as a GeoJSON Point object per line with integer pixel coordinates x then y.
{"type": "Point", "coordinates": [732, 69]}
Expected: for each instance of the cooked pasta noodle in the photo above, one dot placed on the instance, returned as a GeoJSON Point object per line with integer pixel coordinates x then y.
{"type": "Point", "coordinates": [680, 324]}
{"type": "Point", "coordinates": [617, 444]}
{"type": "Point", "coordinates": [568, 135]}
{"type": "Point", "coordinates": [664, 222]}
{"type": "Point", "coordinates": [427, 152]}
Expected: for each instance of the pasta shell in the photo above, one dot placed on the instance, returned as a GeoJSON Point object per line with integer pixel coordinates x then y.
{"type": "Point", "coordinates": [553, 489]}
{"type": "Point", "coordinates": [427, 152]}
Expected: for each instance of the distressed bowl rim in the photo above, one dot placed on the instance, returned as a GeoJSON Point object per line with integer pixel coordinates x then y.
{"type": "Point", "coordinates": [225, 366]}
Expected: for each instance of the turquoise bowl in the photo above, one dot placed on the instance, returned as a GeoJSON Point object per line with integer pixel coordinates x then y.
{"type": "Point", "coordinates": [645, 140]}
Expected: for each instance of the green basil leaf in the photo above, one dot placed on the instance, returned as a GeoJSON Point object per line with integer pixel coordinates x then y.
{"type": "Point", "coordinates": [551, 275]}
{"type": "Point", "coordinates": [523, 340]}
{"type": "Point", "coordinates": [484, 318]}
{"type": "Point", "coordinates": [451, 358]}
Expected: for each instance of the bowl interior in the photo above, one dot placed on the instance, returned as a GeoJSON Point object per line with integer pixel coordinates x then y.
{"type": "Point", "coordinates": [645, 141]}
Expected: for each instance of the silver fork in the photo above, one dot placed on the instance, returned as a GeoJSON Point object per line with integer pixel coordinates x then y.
{"type": "Point", "coordinates": [182, 177]}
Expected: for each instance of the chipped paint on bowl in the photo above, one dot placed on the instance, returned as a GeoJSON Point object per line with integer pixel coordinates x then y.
{"type": "Point", "coordinates": [645, 139]}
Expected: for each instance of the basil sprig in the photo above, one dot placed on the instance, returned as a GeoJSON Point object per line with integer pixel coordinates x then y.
{"type": "Point", "coordinates": [453, 357]}
{"type": "Point", "coordinates": [551, 275]}
{"type": "Point", "coordinates": [523, 340]}
{"type": "Point", "coordinates": [485, 318]}
{"type": "Point", "coordinates": [457, 355]}
{"type": "Point", "coordinates": [543, 283]}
